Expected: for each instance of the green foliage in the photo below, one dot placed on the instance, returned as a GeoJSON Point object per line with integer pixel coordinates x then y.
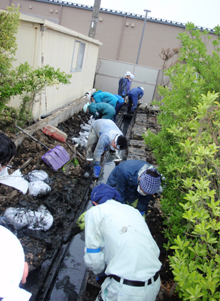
{"type": "Point", "coordinates": [9, 22]}
{"type": "Point", "coordinates": [23, 80]}
{"type": "Point", "coordinates": [187, 150]}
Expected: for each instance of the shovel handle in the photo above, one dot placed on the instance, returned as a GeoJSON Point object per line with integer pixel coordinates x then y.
{"type": "Point", "coordinates": [31, 136]}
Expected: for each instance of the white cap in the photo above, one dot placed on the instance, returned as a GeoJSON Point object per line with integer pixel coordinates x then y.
{"type": "Point", "coordinates": [85, 107]}
{"type": "Point", "coordinates": [128, 73]}
{"type": "Point", "coordinates": [142, 88]}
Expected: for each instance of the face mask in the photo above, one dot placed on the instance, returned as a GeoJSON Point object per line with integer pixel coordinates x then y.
{"type": "Point", "coordinates": [112, 148]}
{"type": "Point", "coordinates": [140, 191]}
{"type": "Point", "coordinates": [4, 173]}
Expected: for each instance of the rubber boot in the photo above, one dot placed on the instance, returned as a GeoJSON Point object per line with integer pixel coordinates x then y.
{"type": "Point", "coordinates": [88, 171]}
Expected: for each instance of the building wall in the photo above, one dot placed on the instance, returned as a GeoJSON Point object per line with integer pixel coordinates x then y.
{"type": "Point", "coordinates": [119, 33]}
{"type": "Point", "coordinates": [54, 46]}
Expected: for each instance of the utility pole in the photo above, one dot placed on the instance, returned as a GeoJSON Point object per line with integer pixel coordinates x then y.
{"type": "Point", "coordinates": [145, 20]}
{"type": "Point", "coordinates": [94, 20]}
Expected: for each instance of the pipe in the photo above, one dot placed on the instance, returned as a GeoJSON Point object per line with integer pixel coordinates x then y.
{"type": "Point", "coordinates": [42, 28]}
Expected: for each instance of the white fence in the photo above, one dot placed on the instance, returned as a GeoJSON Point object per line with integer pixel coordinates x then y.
{"type": "Point", "coordinates": [109, 72]}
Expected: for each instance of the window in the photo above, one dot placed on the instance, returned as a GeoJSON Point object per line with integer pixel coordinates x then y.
{"type": "Point", "coordinates": [78, 55]}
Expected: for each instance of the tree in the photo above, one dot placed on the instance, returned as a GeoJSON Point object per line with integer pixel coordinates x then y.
{"type": "Point", "coordinates": [22, 80]}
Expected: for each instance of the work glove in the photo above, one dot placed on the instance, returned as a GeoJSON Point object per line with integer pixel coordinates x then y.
{"type": "Point", "coordinates": [96, 171]}
{"type": "Point", "coordinates": [117, 162]}
{"type": "Point", "coordinates": [81, 221]}
{"type": "Point", "coordinates": [134, 204]}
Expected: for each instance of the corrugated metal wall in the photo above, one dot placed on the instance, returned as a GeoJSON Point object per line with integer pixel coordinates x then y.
{"type": "Point", "coordinates": [109, 72]}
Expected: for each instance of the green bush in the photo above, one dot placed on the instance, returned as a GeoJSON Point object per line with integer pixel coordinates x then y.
{"type": "Point", "coordinates": [187, 152]}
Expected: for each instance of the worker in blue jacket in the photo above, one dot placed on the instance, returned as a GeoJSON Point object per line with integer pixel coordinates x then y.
{"type": "Point", "coordinates": [100, 110]}
{"type": "Point", "coordinates": [136, 181]}
{"type": "Point", "coordinates": [125, 84]}
{"type": "Point", "coordinates": [104, 97]}
{"type": "Point", "coordinates": [133, 96]}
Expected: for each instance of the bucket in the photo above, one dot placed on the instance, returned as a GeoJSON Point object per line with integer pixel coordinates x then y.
{"type": "Point", "coordinates": [54, 133]}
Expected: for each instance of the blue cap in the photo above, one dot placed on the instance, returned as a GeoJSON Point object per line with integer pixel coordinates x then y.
{"type": "Point", "coordinates": [102, 193]}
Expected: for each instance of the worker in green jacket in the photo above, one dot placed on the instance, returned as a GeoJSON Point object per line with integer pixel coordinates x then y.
{"type": "Point", "coordinates": [100, 110]}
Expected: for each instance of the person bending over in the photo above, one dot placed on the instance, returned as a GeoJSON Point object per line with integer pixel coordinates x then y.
{"type": "Point", "coordinates": [118, 243]}
{"type": "Point", "coordinates": [100, 110]}
{"type": "Point", "coordinates": [104, 135]}
{"type": "Point", "coordinates": [14, 269]}
{"type": "Point", "coordinates": [136, 181]}
{"type": "Point", "coordinates": [7, 152]}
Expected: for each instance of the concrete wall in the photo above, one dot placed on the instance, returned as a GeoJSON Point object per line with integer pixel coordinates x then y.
{"type": "Point", "coordinates": [41, 42]}
{"type": "Point", "coordinates": [119, 32]}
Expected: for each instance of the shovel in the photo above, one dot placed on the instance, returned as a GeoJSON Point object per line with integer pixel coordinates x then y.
{"type": "Point", "coordinates": [55, 157]}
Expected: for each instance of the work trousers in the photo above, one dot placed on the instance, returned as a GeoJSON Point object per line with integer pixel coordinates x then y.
{"type": "Point", "coordinates": [111, 290]}
{"type": "Point", "coordinates": [132, 104]}
{"type": "Point", "coordinates": [91, 144]}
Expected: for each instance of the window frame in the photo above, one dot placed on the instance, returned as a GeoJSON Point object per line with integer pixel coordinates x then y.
{"type": "Point", "coordinates": [78, 61]}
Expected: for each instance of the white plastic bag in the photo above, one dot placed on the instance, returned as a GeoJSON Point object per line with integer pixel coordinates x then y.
{"type": "Point", "coordinates": [85, 127]}
{"type": "Point", "coordinates": [80, 141]}
{"type": "Point", "coordinates": [84, 135]}
{"type": "Point", "coordinates": [34, 220]}
{"type": "Point", "coordinates": [37, 175]}
{"type": "Point", "coordinates": [38, 188]}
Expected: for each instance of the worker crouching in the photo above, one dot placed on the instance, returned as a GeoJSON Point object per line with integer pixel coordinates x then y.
{"type": "Point", "coordinates": [100, 110]}
{"type": "Point", "coordinates": [137, 181]}
{"type": "Point", "coordinates": [104, 135]}
{"type": "Point", "coordinates": [118, 242]}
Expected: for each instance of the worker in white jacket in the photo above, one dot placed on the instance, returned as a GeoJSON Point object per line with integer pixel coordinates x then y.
{"type": "Point", "coordinates": [104, 135]}
{"type": "Point", "coordinates": [119, 243]}
{"type": "Point", "coordinates": [14, 269]}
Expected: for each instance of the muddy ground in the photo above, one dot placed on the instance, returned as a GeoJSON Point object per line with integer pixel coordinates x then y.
{"type": "Point", "coordinates": [64, 202]}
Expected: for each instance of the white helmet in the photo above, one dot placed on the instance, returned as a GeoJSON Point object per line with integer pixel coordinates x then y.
{"type": "Point", "coordinates": [142, 88]}
{"type": "Point", "coordinates": [128, 73]}
{"type": "Point", "coordinates": [85, 107]}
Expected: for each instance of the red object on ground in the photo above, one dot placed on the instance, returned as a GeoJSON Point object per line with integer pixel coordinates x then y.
{"type": "Point", "coordinates": [53, 132]}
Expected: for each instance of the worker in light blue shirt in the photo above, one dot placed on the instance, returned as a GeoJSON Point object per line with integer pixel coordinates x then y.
{"type": "Point", "coordinates": [100, 110]}
{"type": "Point", "coordinates": [105, 97]}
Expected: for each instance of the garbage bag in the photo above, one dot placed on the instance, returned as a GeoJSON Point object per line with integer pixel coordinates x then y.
{"type": "Point", "coordinates": [37, 175]}
{"type": "Point", "coordinates": [85, 127]}
{"type": "Point", "coordinates": [38, 188]}
{"type": "Point", "coordinates": [84, 134]}
{"type": "Point", "coordinates": [34, 220]}
{"type": "Point", "coordinates": [81, 141]}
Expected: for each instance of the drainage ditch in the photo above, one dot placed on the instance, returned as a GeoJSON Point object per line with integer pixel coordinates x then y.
{"type": "Point", "coordinates": [68, 277]}
{"type": "Point", "coordinates": [56, 257]}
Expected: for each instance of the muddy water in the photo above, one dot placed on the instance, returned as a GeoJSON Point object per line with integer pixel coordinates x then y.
{"type": "Point", "coordinates": [70, 281]}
